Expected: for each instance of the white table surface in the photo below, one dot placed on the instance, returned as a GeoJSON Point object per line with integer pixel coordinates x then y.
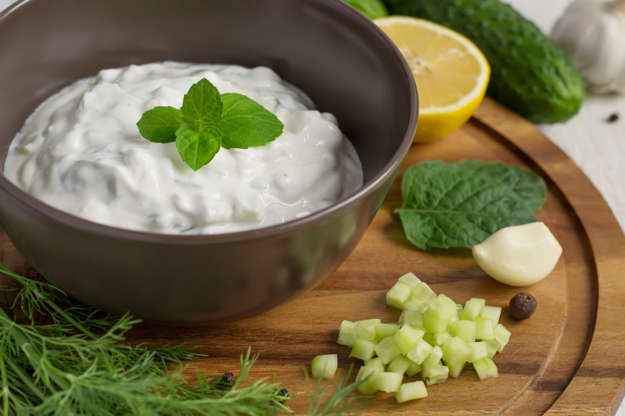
{"type": "Point", "coordinates": [596, 146]}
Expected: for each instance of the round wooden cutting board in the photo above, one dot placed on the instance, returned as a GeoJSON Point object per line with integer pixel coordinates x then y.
{"type": "Point", "coordinates": [568, 359]}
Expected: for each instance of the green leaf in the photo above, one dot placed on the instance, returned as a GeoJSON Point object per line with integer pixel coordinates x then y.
{"type": "Point", "coordinates": [159, 124]}
{"type": "Point", "coordinates": [245, 123]}
{"type": "Point", "coordinates": [201, 105]}
{"type": "Point", "coordinates": [373, 9]}
{"type": "Point", "coordinates": [197, 149]}
{"type": "Point", "coordinates": [461, 204]}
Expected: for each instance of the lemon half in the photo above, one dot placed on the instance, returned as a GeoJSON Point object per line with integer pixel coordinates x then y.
{"type": "Point", "coordinates": [450, 71]}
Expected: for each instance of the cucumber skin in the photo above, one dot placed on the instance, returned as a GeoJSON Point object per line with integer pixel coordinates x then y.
{"type": "Point", "coordinates": [530, 74]}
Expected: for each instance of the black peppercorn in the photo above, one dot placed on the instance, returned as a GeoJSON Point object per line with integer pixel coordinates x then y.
{"type": "Point", "coordinates": [613, 118]}
{"type": "Point", "coordinates": [284, 394]}
{"type": "Point", "coordinates": [228, 379]}
{"type": "Point", "coordinates": [522, 305]}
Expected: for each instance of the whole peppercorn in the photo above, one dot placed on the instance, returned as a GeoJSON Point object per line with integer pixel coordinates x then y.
{"type": "Point", "coordinates": [522, 305]}
{"type": "Point", "coordinates": [284, 394]}
{"type": "Point", "coordinates": [228, 379]}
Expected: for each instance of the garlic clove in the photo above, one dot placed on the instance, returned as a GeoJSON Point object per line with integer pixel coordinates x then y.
{"type": "Point", "coordinates": [520, 255]}
{"type": "Point", "coordinates": [593, 34]}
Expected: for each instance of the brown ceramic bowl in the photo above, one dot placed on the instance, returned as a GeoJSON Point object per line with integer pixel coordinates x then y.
{"type": "Point", "coordinates": [333, 53]}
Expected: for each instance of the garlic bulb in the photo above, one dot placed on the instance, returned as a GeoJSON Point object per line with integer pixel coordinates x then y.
{"type": "Point", "coordinates": [593, 33]}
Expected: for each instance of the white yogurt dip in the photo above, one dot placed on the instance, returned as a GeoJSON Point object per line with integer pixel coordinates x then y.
{"type": "Point", "coordinates": [81, 152]}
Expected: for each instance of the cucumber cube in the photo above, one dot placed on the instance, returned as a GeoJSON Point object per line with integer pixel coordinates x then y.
{"type": "Point", "coordinates": [409, 279]}
{"type": "Point", "coordinates": [491, 312]}
{"type": "Point", "coordinates": [484, 329]}
{"type": "Point", "coordinates": [387, 382]}
{"type": "Point", "coordinates": [420, 352]}
{"type": "Point", "coordinates": [416, 304]}
{"type": "Point", "coordinates": [385, 330]}
{"type": "Point", "coordinates": [439, 313]}
{"type": "Point", "coordinates": [375, 363]}
{"type": "Point", "coordinates": [399, 365]}
{"type": "Point", "coordinates": [398, 295]}
{"type": "Point", "coordinates": [485, 368]}
{"type": "Point", "coordinates": [367, 387]}
{"type": "Point", "coordinates": [435, 374]}
{"type": "Point", "coordinates": [492, 346]}
{"type": "Point", "coordinates": [456, 350]}
{"type": "Point", "coordinates": [422, 291]}
{"type": "Point", "coordinates": [434, 358]}
{"type": "Point", "coordinates": [411, 391]}
{"type": "Point", "coordinates": [413, 370]}
{"type": "Point", "coordinates": [440, 338]}
{"type": "Point", "coordinates": [324, 366]}
{"type": "Point", "coordinates": [502, 336]}
{"type": "Point", "coordinates": [406, 338]}
{"type": "Point", "coordinates": [347, 333]}
{"type": "Point", "coordinates": [363, 349]}
{"type": "Point", "coordinates": [412, 318]}
{"type": "Point", "coordinates": [366, 329]}
{"type": "Point", "coordinates": [472, 309]}
{"type": "Point", "coordinates": [463, 329]}
{"type": "Point", "coordinates": [455, 368]}
{"type": "Point", "coordinates": [386, 350]}
{"type": "Point", "coordinates": [479, 350]}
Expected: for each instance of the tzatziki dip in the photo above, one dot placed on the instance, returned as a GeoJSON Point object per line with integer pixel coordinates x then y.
{"type": "Point", "coordinates": [82, 153]}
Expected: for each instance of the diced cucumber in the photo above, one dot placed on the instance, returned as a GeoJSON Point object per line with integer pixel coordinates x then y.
{"type": "Point", "coordinates": [455, 367]}
{"type": "Point", "coordinates": [365, 329]}
{"type": "Point", "coordinates": [492, 346]}
{"type": "Point", "coordinates": [435, 374]}
{"type": "Point", "coordinates": [409, 279]}
{"type": "Point", "coordinates": [440, 312]}
{"type": "Point", "coordinates": [363, 349]}
{"type": "Point", "coordinates": [485, 368]}
{"type": "Point", "coordinates": [412, 318]}
{"type": "Point", "coordinates": [387, 382]}
{"type": "Point", "coordinates": [385, 330]}
{"type": "Point", "coordinates": [502, 336]}
{"type": "Point", "coordinates": [368, 387]}
{"type": "Point", "coordinates": [422, 291]}
{"type": "Point", "coordinates": [386, 350]}
{"type": "Point", "coordinates": [472, 309]}
{"type": "Point", "coordinates": [375, 363]}
{"type": "Point", "coordinates": [399, 365]}
{"type": "Point", "coordinates": [434, 358]}
{"type": "Point", "coordinates": [324, 366]}
{"type": "Point", "coordinates": [456, 350]}
{"type": "Point", "coordinates": [491, 312]}
{"type": "Point", "coordinates": [416, 304]}
{"type": "Point", "coordinates": [413, 370]}
{"type": "Point", "coordinates": [411, 391]}
{"type": "Point", "coordinates": [398, 295]}
{"type": "Point", "coordinates": [406, 338]}
{"type": "Point", "coordinates": [479, 350]}
{"type": "Point", "coordinates": [420, 352]}
{"type": "Point", "coordinates": [463, 329]}
{"type": "Point", "coordinates": [347, 333]}
{"type": "Point", "coordinates": [484, 329]}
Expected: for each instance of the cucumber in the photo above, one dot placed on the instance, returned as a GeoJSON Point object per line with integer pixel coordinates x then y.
{"type": "Point", "coordinates": [530, 74]}
{"type": "Point", "coordinates": [324, 366]}
{"type": "Point", "coordinates": [411, 391]}
{"type": "Point", "coordinates": [373, 9]}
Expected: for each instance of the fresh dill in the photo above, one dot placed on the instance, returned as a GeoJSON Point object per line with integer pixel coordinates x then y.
{"type": "Point", "coordinates": [76, 363]}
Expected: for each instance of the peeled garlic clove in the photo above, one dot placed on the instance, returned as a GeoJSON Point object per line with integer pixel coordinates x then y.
{"type": "Point", "coordinates": [520, 255]}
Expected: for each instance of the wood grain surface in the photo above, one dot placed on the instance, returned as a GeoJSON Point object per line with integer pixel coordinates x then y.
{"type": "Point", "coordinates": [568, 359]}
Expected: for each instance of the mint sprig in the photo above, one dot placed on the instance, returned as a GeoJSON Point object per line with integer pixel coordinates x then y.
{"type": "Point", "coordinates": [208, 121]}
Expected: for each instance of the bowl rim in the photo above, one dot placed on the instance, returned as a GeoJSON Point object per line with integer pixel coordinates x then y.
{"type": "Point", "coordinates": [353, 17]}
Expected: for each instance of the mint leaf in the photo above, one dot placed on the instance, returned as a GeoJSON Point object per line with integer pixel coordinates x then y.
{"type": "Point", "coordinates": [197, 149]}
{"type": "Point", "coordinates": [245, 123]}
{"type": "Point", "coordinates": [461, 204]}
{"type": "Point", "coordinates": [159, 124]}
{"type": "Point", "coordinates": [201, 105]}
